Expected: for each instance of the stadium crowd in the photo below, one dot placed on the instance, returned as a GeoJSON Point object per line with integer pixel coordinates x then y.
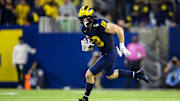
{"type": "Point", "coordinates": [27, 12]}
{"type": "Point", "coordinates": [131, 12]}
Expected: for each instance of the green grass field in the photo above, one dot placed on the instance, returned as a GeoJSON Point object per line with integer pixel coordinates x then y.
{"type": "Point", "coordinates": [97, 95]}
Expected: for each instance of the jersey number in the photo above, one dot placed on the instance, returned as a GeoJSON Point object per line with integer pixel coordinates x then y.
{"type": "Point", "coordinates": [98, 41]}
{"type": "Point", "coordinates": [103, 23]}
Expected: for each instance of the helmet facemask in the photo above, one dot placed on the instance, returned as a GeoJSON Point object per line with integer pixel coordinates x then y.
{"type": "Point", "coordinates": [86, 23]}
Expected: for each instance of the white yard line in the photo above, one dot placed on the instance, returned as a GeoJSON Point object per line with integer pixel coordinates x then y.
{"type": "Point", "coordinates": [9, 93]}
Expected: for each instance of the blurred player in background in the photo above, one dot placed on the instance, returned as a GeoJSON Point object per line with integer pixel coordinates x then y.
{"type": "Point", "coordinates": [100, 32]}
{"type": "Point", "coordinates": [20, 57]}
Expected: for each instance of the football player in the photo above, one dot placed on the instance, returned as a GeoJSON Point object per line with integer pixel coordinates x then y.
{"type": "Point", "coordinates": [101, 33]}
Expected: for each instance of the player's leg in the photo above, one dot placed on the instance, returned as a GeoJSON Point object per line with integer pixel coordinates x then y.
{"type": "Point", "coordinates": [90, 76]}
{"type": "Point", "coordinates": [118, 73]}
{"type": "Point", "coordinates": [89, 82]}
{"type": "Point", "coordinates": [19, 75]}
{"type": "Point", "coordinates": [114, 74]}
{"type": "Point", "coordinates": [121, 73]}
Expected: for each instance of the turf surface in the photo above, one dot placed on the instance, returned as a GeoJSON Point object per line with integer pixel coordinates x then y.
{"type": "Point", "coordinates": [97, 95]}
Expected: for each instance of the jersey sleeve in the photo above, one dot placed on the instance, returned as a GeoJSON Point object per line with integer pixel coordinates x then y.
{"type": "Point", "coordinates": [102, 24]}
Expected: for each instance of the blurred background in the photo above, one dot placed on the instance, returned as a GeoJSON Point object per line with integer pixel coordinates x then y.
{"type": "Point", "coordinates": [40, 43]}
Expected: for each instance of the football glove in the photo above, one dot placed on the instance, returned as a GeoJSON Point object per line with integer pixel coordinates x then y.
{"type": "Point", "coordinates": [123, 50]}
{"type": "Point", "coordinates": [87, 44]}
{"type": "Point", "coordinates": [119, 52]}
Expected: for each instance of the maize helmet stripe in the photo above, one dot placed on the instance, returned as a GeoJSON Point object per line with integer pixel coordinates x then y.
{"type": "Point", "coordinates": [86, 11]}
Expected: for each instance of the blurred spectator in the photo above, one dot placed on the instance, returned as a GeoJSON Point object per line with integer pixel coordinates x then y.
{"type": "Point", "coordinates": [59, 2]}
{"type": "Point", "coordinates": [128, 21]}
{"type": "Point", "coordinates": [172, 71]}
{"type": "Point", "coordinates": [36, 12]}
{"type": "Point", "coordinates": [138, 53]}
{"type": "Point", "coordinates": [37, 75]}
{"type": "Point", "coordinates": [127, 6]}
{"type": "Point", "coordinates": [120, 12]}
{"type": "Point", "coordinates": [165, 12]}
{"type": "Point", "coordinates": [8, 17]}
{"type": "Point", "coordinates": [89, 3]}
{"type": "Point", "coordinates": [122, 23]}
{"type": "Point", "coordinates": [22, 11]}
{"type": "Point", "coordinates": [144, 12]}
{"type": "Point", "coordinates": [20, 56]}
{"type": "Point", "coordinates": [75, 2]}
{"type": "Point", "coordinates": [135, 12]}
{"type": "Point", "coordinates": [67, 9]}
{"type": "Point", "coordinates": [140, 12]}
{"type": "Point", "coordinates": [30, 3]}
{"type": "Point", "coordinates": [1, 2]}
{"type": "Point", "coordinates": [51, 8]}
{"type": "Point", "coordinates": [108, 17]}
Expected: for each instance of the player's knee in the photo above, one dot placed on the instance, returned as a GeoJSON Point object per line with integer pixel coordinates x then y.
{"type": "Point", "coordinates": [114, 75]}
{"type": "Point", "coordinates": [89, 75]}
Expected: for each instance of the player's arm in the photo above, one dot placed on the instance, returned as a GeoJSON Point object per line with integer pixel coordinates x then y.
{"type": "Point", "coordinates": [115, 29]}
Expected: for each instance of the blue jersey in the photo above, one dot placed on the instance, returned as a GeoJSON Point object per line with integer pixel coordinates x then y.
{"type": "Point", "coordinates": [104, 41]}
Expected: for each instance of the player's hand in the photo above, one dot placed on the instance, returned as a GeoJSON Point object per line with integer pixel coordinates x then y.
{"type": "Point", "coordinates": [87, 44]}
{"type": "Point", "coordinates": [119, 52]}
{"type": "Point", "coordinates": [124, 50]}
